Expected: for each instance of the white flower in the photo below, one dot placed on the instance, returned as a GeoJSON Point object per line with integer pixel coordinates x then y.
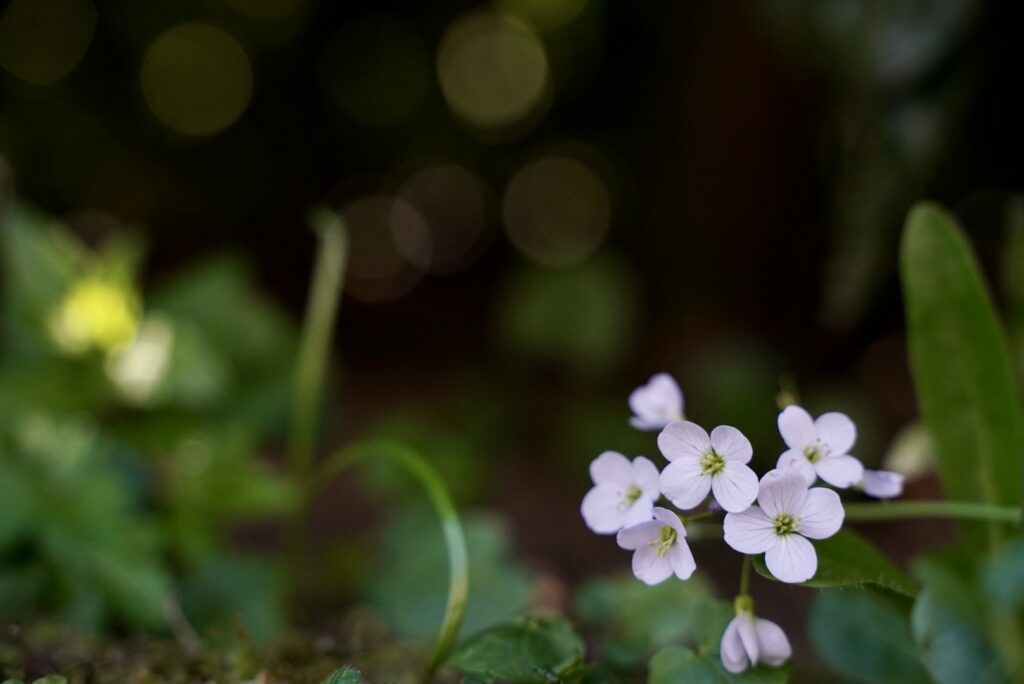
{"type": "Point", "coordinates": [701, 463]}
{"type": "Point", "coordinates": [788, 513]}
{"type": "Point", "coordinates": [623, 494]}
{"type": "Point", "coordinates": [750, 641]}
{"type": "Point", "coordinates": [882, 484]}
{"type": "Point", "coordinates": [656, 404]}
{"type": "Point", "coordinates": [659, 548]}
{"type": "Point", "coordinates": [818, 448]}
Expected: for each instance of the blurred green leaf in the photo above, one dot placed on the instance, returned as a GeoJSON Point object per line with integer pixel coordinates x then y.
{"type": "Point", "coordinates": [346, 675]}
{"type": "Point", "coordinates": [633, 620]}
{"type": "Point", "coordinates": [232, 587]}
{"type": "Point", "coordinates": [961, 365]}
{"type": "Point", "coordinates": [846, 559]}
{"type": "Point", "coordinates": [409, 583]}
{"type": "Point", "coordinates": [1013, 281]}
{"type": "Point", "coordinates": [864, 637]}
{"type": "Point", "coordinates": [1002, 584]}
{"type": "Point", "coordinates": [526, 651]}
{"type": "Point", "coordinates": [677, 664]}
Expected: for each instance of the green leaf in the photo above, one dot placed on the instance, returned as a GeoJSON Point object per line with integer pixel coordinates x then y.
{"type": "Point", "coordinates": [679, 664]}
{"type": "Point", "coordinates": [961, 365]}
{"type": "Point", "coordinates": [847, 559]}
{"type": "Point", "coordinates": [526, 651]}
{"type": "Point", "coordinates": [346, 675]}
{"type": "Point", "coordinates": [864, 637]}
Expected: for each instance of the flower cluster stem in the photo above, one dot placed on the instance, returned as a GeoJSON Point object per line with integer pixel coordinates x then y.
{"type": "Point", "coordinates": [958, 510]}
{"type": "Point", "coordinates": [745, 576]}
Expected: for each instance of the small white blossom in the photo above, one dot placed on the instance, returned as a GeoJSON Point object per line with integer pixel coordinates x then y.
{"type": "Point", "coordinates": [750, 641]}
{"type": "Point", "coordinates": [788, 513]}
{"type": "Point", "coordinates": [656, 404]}
{"type": "Point", "coordinates": [623, 494]}
{"type": "Point", "coordinates": [882, 484]}
{"type": "Point", "coordinates": [702, 463]}
{"type": "Point", "coordinates": [818, 448]}
{"type": "Point", "coordinates": [659, 548]}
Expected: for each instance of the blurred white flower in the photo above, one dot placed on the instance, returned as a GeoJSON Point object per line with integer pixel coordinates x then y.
{"type": "Point", "coordinates": [623, 494]}
{"type": "Point", "coordinates": [818, 448]}
{"type": "Point", "coordinates": [788, 512]}
{"type": "Point", "coordinates": [750, 641]}
{"type": "Point", "coordinates": [656, 404]}
{"type": "Point", "coordinates": [138, 369]}
{"type": "Point", "coordinates": [700, 463]}
{"type": "Point", "coordinates": [911, 453]}
{"type": "Point", "coordinates": [882, 484]}
{"type": "Point", "coordinates": [659, 548]}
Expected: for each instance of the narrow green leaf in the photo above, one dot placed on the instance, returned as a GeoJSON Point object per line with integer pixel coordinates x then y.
{"type": "Point", "coordinates": [526, 651]}
{"type": "Point", "coordinates": [961, 365]}
{"type": "Point", "coordinates": [346, 675]}
{"type": "Point", "coordinates": [679, 664]}
{"type": "Point", "coordinates": [847, 559]}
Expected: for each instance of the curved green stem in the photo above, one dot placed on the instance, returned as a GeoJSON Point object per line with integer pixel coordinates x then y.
{"type": "Point", "coordinates": [959, 510]}
{"type": "Point", "coordinates": [454, 537]}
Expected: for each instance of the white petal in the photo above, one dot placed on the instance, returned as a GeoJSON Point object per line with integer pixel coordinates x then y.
{"type": "Point", "coordinates": [837, 431]}
{"type": "Point", "coordinates": [840, 471]}
{"type": "Point", "coordinates": [794, 458]}
{"type": "Point", "coordinates": [638, 536]}
{"type": "Point", "coordinates": [683, 439]}
{"type": "Point", "coordinates": [649, 567]}
{"type": "Point", "coordinates": [882, 484]}
{"type": "Point", "coordinates": [822, 514]}
{"type": "Point", "coordinates": [681, 559]}
{"type": "Point", "coordinates": [730, 444]}
{"type": "Point", "coordinates": [684, 484]}
{"type": "Point", "coordinates": [670, 518]}
{"type": "Point", "coordinates": [602, 510]}
{"type": "Point", "coordinates": [773, 646]}
{"type": "Point", "coordinates": [657, 403]}
{"type": "Point", "coordinates": [612, 468]}
{"type": "Point", "coordinates": [749, 532]}
{"type": "Point", "coordinates": [735, 487]}
{"type": "Point", "coordinates": [796, 427]}
{"type": "Point", "coordinates": [748, 637]}
{"type": "Point", "coordinates": [637, 512]}
{"type": "Point", "coordinates": [734, 656]}
{"type": "Point", "coordinates": [782, 491]}
{"type": "Point", "coordinates": [792, 559]}
{"type": "Point", "coordinates": [645, 475]}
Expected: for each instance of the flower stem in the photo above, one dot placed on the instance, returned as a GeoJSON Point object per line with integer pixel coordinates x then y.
{"type": "Point", "coordinates": [696, 516]}
{"type": "Point", "coordinates": [960, 510]}
{"type": "Point", "coordinates": [745, 576]}
{"type": "Point", "coordinates": [451, 526]}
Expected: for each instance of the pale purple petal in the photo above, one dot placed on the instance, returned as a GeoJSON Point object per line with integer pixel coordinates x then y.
{"type": "Point", "coordinates": [782, 491]}
{"type": "Point", "coordinates": [822, 514]}
{"type": "Point", "coordinates": [734, 656]}
{"type": "Point", "coordinates": [882, 484]}
{"type": "Point", "coordinates": [794, 458]}
{"type": "Point", "coordinates": [683, 439]}
{"type": "Point", "coordinates": [670, 518]}
{"type": "Point", "coordinates": [638, 536]}
{"type": "Point", "coordinates": [735, 487]}
{"type": "Point", "coordinates": [602, 510]}
{"type": "Point", "coordinates": [645, 475]}
{"type": "Point", "coordinates": [773, 646]}
{"type": "Point", "coordinates": [792, 559]}
{"type": "Point", "coordinates": [649, 567]}
{"type": "Point", "coordinates": [639, 511]}
{"type": "Point", "coordinates": [796, 427]}
{"type": "Point", "coordinates": [657, 403]}
{"type": "Point", "coordinates": [683, 483]}
{"type": "Point", "coordinates": [730, 444]}
{"type": "Point", "coordinates": [748, 637]}
{"type": "Point", "coordinates": [837, 431]}
{"type": "Point", "coordinates": [749, 532]}
{"type": "Point", "coordinates": [840, 471]}
{"type": "Point", "coordinates": [612, 468]}
{"type": "Point", "coordinates": [681, 559]}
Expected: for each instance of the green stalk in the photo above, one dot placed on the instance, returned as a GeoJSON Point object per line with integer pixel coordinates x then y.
{"type": "Point", "coordinates": [958, 510]}
{"type": "Point", "coordinates": [454, 537]}
{"type": "Point", "coordinates": [745, 576]}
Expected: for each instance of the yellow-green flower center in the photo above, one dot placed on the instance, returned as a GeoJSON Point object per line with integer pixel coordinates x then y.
{"type": "Point", "coordinates": [632, 494]}
{"type": "Point", "coordinates": [711, 463]}
{"type": "Point", "coordinates": [813, 453]}
{"type": "Point", "coordinates": [666, 540]}
{"type": "Point", "coordinates": [784, 524]}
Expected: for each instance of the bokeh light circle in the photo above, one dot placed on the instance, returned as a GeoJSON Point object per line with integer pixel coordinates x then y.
{"type": "Point", "coordinates": [43, 40]}
{"type": "Point", "coordinates": [454, 203]}
{"type": "Point", "coordinates": [556, 210]}
{"type": "Point", "coordinates": [390, 245]}
{"type": "Point", "coordinates": [493, 70]}
{"type": "Point", "coordinates": [196, 79]}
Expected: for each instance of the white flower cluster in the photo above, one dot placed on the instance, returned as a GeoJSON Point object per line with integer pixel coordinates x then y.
{"type": "Point", "coordinates": [788, 511]}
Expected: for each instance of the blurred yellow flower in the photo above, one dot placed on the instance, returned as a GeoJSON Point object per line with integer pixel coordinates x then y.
{"type": "Point", "coordinates": [96, 314]}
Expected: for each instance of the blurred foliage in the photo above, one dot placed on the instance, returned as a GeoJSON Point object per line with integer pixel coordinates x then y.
{"type": "Point", "coordinates": [528, 651]}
